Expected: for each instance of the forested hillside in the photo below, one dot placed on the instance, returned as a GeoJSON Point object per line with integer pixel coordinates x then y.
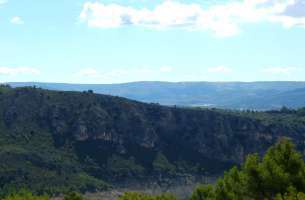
{"type": "Point", "coordinates": [53, 141]}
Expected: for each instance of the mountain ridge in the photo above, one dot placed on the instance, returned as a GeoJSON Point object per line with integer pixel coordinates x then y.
{"type": "Point", "coordinates": [56, 140]}
{"type": "Point", "coordinates": [229, 95]}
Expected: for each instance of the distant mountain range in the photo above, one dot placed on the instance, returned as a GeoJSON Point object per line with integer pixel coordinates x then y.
{"type": "Point", "coordinates": [233, 95]}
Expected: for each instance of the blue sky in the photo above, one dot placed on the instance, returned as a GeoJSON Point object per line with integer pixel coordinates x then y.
{"type": "Point", "coordinates": [113, 41]}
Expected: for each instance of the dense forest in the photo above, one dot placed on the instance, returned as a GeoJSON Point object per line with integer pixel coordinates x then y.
{"type": "Point", "coordinates": [53, 142]}
{"type": "Point", "coordinates": [278, 175]}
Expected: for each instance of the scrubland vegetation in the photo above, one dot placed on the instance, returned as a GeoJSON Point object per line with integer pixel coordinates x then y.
{"type": "Point", "coordinates": [278, 175]}
{"type": "Point", "coordinates": [55, 142]}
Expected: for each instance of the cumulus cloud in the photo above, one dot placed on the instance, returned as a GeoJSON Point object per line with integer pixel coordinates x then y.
{"type": "Point", "coordinates": [292, 15]}
{"type": "Point", "coordinates": [17, 20]}
{"type": "Point", "coordinates": [223, 20]}
{"type": "Point", "coordinates": [279, 70]}
{"type": "Point", "coordinates": [18, 70]}
{"type": "Point", "coordinates": [220, 69]}
{"type": "Point", "coordinates": [113, 15]}
{"type": "Point", "coordinates": [295, 9]}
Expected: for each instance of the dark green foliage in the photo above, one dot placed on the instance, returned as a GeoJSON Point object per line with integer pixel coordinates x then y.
{"type": "Point", "coordinates": [56, 142]}
{"type": "Point", "coordinates": [25, 195]}
{"type": "Point", "coordinates": [279, 175]}
{"type": "Point", "coordinates": [140, 196]}
{"type": "Point", "coordinates": [291, 194]}
{"type": "Point", "coordinates": [161, 164]}
{"type": "Point", "coordinates": [120, 166]}
{"type": "Point", "coordinates": [203, 192]}
{"type": "Point", "coordinates": [73, 196]}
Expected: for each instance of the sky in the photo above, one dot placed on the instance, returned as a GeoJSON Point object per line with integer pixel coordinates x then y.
{"type": "Point", "coordinates": [115, 41]}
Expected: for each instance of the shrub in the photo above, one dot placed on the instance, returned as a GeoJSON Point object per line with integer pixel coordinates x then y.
{"type": "Point", "coordinates": [279, 175]}
{"type": "Point", "coordinates": [73, 196]}
{"type": "Point", "coordinates": [25, 195]}
{"type": "Point", "coordinates": [141, 196]}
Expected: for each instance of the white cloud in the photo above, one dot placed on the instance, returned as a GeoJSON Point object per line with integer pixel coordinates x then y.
{"type": "Point", "coordinates": [295, 9]}
{"type": "Point", "coordinates": [223, 20]}
{"type": "Point", "coordinates": [279, 70]}
{"type": "Point", "coordinates": [17, 20]}
{"type": "Point", "coordinates": [166, 69]}
{"type": "Point", "coordinates": [3, 2]}
{"type": "Point", "coordinates": [220, 69]}
{"type": "Point", "coordinates": [18, 70]}
{"type": "Point", "coordinates": [113, 15]}
{"type": "Point", "coordinates": [289, 22]}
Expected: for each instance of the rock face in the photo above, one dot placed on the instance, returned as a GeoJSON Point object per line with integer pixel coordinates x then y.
{"type": "Point", "coordinates": [112, 138]}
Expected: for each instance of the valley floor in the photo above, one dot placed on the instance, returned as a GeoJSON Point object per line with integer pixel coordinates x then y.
{"type": "Point", "coordinates": [181, 188]}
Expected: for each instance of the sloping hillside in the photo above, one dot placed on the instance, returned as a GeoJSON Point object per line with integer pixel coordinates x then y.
{"type": "Point", "coordinates": [52, 140]}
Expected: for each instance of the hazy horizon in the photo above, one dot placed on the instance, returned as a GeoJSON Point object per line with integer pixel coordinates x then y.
{"type": "Point", "coordinates": [174, 82]}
